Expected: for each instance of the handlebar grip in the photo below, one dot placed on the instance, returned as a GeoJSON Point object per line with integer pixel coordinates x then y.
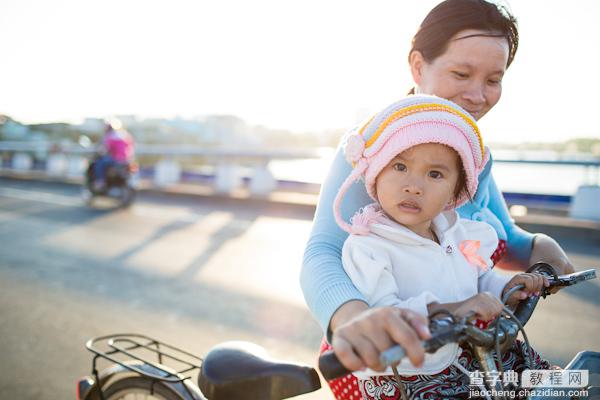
{"type": "Point", "coordinates": [525, 309]}
{"type": "Point", "coordinates": [392, 355]}
{"type": "Point", "coordinates": [331, 367]}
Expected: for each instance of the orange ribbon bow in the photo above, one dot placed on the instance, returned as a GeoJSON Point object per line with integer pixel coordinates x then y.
{"type": "Point", "coordinates": [469, 249]}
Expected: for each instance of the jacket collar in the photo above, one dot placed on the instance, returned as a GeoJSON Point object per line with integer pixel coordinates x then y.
{"type": "Point", "coordinates": [443, 225]}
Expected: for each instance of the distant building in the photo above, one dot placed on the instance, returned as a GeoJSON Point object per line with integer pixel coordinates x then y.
{"type": "Point", "coordinates": [13, 130]}
{"type": "Point", "coordinates": [91, 126]}
{"type": "Point", "coordinates": [128, 120]}
{"type": "Point", "coordinates": [229, 130]}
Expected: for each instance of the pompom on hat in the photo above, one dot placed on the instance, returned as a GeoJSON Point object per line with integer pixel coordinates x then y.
{"type": "Point", "coordinates": [414, 120]}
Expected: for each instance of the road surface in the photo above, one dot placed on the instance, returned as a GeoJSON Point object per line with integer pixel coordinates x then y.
{"type": "Point", "coordinates": [194, 271]}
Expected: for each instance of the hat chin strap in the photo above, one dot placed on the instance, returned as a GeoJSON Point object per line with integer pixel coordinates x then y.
{"type": "Point", "coordinates": [358, 171]}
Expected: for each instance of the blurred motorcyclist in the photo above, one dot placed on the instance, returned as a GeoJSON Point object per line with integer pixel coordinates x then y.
{"type": "Point", "coordinates": [117, 148]}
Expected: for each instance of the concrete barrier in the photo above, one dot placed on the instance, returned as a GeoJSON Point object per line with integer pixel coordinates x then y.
{"type": "Point", "coordinates": [586, 203]}
{"type": "Point", "coordinates": [263, 182]}
{"type": "Point", "coordinates": [76, 166]}
{"type": "Point", "coordinates": [167, 172]}
{"type": "Point", "coordinates": [56, 164]}
{"type": "Point", "coordinates": [227, 178]}
{"type": "Point", "coordinates": [22, 162]}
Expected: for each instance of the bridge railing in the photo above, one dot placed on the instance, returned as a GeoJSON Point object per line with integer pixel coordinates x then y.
{"type": "Point", "coordinates": [71, 161]}
{"type": "Point", "coordinates": [584, 203]}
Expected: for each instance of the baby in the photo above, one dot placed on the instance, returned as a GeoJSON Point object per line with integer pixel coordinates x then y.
{"type": "Point", "coordinates": [420, 159]}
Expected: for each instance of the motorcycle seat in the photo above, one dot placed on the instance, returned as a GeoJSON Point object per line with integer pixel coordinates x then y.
{"type": "Point", "coordinates": [244, 371]}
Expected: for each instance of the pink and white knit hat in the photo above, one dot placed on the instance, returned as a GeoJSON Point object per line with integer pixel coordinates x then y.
{"type": "Point", "coordinates": [414, 120]}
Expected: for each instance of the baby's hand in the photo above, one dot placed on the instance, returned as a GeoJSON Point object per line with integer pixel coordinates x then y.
{"type": "Point", "coordinates": [485, 305]}
{"type": "Point", "coordinates": [534, 283]}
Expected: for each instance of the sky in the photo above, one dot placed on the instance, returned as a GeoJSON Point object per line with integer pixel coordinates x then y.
{"type": "Point", "coordinates": [291, 64]}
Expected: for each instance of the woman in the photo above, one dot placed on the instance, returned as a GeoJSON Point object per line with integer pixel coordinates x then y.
{"type": "Point", "coordinates": [460, 52]}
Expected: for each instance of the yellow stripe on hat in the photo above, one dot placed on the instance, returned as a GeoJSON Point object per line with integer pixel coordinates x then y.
{"type": "Point", "coordinates": [360, 132]}
{"type": "Point", "coordinates": [414, 109]}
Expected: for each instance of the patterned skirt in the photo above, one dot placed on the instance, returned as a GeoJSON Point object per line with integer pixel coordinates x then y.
{"type": "Point", "coordinates": [451, 383]}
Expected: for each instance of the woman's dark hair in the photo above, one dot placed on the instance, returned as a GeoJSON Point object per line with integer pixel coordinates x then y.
{"type": "Point", "coordinates": [452, 16]}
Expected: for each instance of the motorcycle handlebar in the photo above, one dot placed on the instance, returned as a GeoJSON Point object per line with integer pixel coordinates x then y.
{"type": "Point", "coordinates": [331, 367]}
{"type": "Point", "coordinates": [452, 332]}
{"type": "Point", "coordinates": [443, 330]}
{"type": "Point", "coordinates": [446, 332]}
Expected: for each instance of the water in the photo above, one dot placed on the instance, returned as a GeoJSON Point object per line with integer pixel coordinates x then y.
{"type": "Point", "coordinates": [540, 179]}
{"type": "Point", "coordinates": [520, 178]}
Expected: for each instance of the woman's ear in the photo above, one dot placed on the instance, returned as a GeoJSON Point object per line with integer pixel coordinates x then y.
{"type": "Point", "coordinates": [416, 62]}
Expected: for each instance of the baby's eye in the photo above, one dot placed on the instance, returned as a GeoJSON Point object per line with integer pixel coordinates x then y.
{"type": "Point", "coordinates": [435, 174]}
{"type": "Point", "coordinates": [399, 167]}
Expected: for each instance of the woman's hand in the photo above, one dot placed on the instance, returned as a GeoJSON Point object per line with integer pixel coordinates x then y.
{"type": "Point", "coordinates": [360, 334]}
{"type": "Point", "coordinates": [545, 249]}
{"type": "Point", "coordinates": [534, 283]}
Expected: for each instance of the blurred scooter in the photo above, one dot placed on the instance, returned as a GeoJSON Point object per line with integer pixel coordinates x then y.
{"type": "Point", "coordinates": [119, 182]}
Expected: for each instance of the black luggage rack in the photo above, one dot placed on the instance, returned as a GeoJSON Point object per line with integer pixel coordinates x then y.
{"type": "Point", "coordinates": [138, 347]}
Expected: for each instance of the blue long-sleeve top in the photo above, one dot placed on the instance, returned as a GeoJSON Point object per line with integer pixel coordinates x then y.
{"type": "Point", "coordinates": [326, 286]}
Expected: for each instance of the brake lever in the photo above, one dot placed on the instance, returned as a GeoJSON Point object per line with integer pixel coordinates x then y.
{"type": "Point", "coordinates": [568, 280]}
{"type": "Point", "coordinates": [572, 279]}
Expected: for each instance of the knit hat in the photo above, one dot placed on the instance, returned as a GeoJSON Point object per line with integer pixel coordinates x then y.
{"type": "Point", "coordinates": [414, 120]}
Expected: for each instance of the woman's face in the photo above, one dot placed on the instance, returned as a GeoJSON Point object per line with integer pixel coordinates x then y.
{"type": "Point", "coordinates": [469, 73]}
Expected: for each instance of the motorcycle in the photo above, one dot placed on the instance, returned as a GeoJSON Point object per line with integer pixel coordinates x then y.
{"type": "Point", "coordinates": [142, 367]}
{"type": "Point", "coordinates": [119, 183]}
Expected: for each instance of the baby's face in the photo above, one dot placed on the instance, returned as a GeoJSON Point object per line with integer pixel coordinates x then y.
{"type": "Point", "coordinates": [418, 184]}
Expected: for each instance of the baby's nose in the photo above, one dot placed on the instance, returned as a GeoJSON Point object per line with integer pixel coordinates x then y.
{"type": "Point", "coordinates": [413, 189]}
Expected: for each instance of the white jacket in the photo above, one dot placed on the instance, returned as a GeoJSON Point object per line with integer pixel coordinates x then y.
{"type": "Point", "coordinates": [394, 266]}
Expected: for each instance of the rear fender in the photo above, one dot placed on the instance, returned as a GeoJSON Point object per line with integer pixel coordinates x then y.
{"type": "Point", "coordinates": [88, 387]}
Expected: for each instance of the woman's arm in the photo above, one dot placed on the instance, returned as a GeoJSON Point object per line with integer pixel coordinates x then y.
{"type": "Point", "coordinates": [519, 241]}
{"type": "Point", "coordinates": [524, 248]}
{"type": "Point", "coordinates": [546, 249]}
{"type": "Point", "coordinates": [327, 289]}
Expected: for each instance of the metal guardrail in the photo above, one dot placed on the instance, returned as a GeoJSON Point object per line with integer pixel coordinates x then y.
{"type": "Point", "coordinates": [217, 152]}
{"type": "Point", "coordinates": [592, 167]}
{"type": "Point", "coordinates": [583, 163]}
{"type": "Point", "coordinates": [69, 161]}
{"type": "Point", "coordinates": [165, 150]}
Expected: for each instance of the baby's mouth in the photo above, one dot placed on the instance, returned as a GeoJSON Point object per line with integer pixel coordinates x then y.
{"type": "Point", "coordinates": [409, 205]}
